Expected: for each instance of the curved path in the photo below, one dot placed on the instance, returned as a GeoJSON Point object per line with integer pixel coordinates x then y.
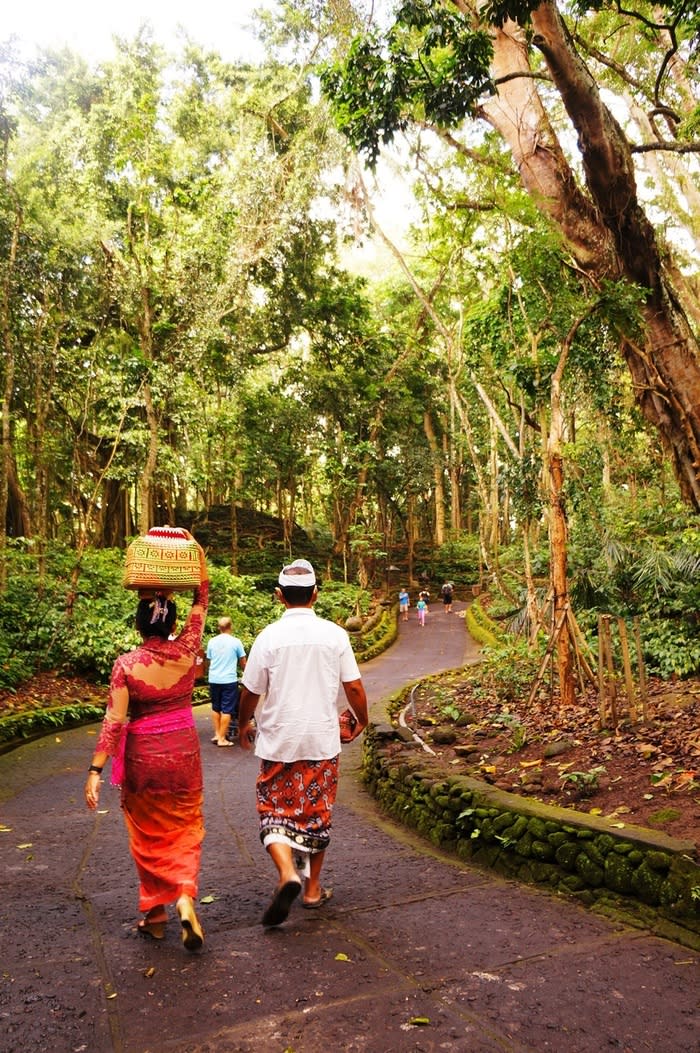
{"type": "Point", "coordinates": [416, 951]}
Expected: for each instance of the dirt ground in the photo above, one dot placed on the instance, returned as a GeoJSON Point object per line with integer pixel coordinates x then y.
{"type": "Point", "coordinates": [646, 774]}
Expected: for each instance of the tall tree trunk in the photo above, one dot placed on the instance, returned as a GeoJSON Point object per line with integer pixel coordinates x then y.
{"type": "Point", "coordinates": [234, 533]}
{"type": "Point", "coordinates": [666, 371]}
{"type": "Point", "coordinates": [558, 531]}
{"type": "Point", "coordinates": [608, 231]}
{"type": "Point", "coordinates": [411, 534]}
{"type": "Point", "coordinates": [147, 511]}
{"type": "Point", "coordinates": [438, 480]}
{"type": "Point", "coordinates": [8, 345]}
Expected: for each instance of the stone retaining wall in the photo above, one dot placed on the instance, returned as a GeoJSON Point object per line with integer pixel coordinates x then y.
{"type": "Point", "coordinates": [649, 877]}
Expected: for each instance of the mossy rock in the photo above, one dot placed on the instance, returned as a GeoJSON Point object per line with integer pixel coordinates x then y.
{"type": "Point", "coordinates": [443, 736]}
{"type": "Point", "coordinates": [567, 854]}
{"type": "Point", "coordinates": [542, 851]}
{"type": "Point", "coordinates": [663, 816]}
{"type": "Point", "coordinates": [619, 874]}
{"type": "Point", "coordinates": [591, 873]}
{"type": "Point", "coordinates": [647, 884]}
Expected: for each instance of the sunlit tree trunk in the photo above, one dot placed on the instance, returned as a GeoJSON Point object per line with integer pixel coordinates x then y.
{"type": "Point", "coordinates": [558, 531]}
{"type": "Point", "coordinates": [8, 345]}
{"type": "Point", "coordinates": [438, 480]}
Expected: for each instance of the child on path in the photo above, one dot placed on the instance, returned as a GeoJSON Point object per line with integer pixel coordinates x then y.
{"type": "Point", "coordinates": [422, 608]}
{"type": "Point", "coordinates": [403, 605]}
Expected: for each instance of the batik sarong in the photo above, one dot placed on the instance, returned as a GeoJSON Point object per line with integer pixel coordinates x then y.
{"type": "Point", "coordinates": [295, 803]}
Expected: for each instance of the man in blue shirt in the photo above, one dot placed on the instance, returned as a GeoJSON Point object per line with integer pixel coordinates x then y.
{"type": "Point", "coordinates": [224, 652]}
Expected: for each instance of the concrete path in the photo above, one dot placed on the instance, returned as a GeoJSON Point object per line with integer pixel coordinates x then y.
{"type": "Point", "coordinates": [415, 952]}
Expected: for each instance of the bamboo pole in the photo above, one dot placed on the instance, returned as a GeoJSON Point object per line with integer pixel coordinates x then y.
{"type": "Point", "coordinates": [643, 693]}
{"type": "Point", "coordinates": [627, 667]}
{"type": "Point", "coordinates": [601, 674]}
{"type": "Point", "coordinates": [581, 647]}
{"type": "Point", "coordinates": [610, 686]}
{"type": "Point", "coordinates": [548, 653]}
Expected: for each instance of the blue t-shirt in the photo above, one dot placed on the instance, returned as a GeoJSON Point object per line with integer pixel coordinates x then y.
{"type": "Point", "coordinates": [223, 653]}
{"type": "Point", "coordinates": [403, 598]}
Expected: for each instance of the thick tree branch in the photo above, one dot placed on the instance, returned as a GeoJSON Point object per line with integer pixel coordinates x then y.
{"type": "Point", "coordinates": [673, 148]}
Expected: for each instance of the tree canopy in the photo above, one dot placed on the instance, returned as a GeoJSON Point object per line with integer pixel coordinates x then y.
{"type": "Point", "coordinates": [181, 331]}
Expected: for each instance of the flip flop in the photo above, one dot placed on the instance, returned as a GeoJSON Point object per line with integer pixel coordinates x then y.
{"type": "Point", "coordinates": [281, 902]}
{"type": "Point", "coordinates": [224, 744]}
{"type": "Point", "coordinates": [314, 904]}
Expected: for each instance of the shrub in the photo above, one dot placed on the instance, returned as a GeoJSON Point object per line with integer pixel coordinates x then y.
{"type": "Point", "coordinates": [37, 632]}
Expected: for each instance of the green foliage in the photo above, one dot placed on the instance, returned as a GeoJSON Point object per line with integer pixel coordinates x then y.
{"type": "Point", "coordinates": [451, 711]}
{"type": "Point", "coordinates": [640, 565]}
{"type": "Point", "coordinates": [484, 630]}
{"type": "Point", "coordinates": [37, 631]}
{"type": "Point", "coordinates": [585, 781]}
{"type": "Point", "coordinates": [456, 560]}
{"type": "Point", "coordinates": [39, 721]}
{"type": "Point", "coordinates": [249, 606]}
{"type": "Point", "coordinates": [506, 672]}
{"type": "Point", "coordinates": [337, 600]}
{"type": "Point", "coordinates": [430, 63]}
{"type": "Point", "coordinates": [671, 648]}
{"type": "Point", "coordinates": [518, 731]}
{"type": "Point", "coordinates": [15, 666]}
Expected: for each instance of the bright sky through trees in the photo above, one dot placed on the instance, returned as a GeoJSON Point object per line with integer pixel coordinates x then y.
{"type": "Point", "coordinates": [87, 28]}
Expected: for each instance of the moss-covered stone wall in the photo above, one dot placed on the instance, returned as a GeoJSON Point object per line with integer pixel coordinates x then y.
{"type": "Point", "coordinates": [649, 877]}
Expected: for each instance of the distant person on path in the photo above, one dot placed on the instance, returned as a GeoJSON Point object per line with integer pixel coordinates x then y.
{"type": "Point", "coordinates": [298, 664]}
{"type": "Point", "coordinates": [447, 591]}
{"type": "Point", "coordinates": [224, 653]}
{"type": "Point", "coordinates": [424, 595]}
{"type": "Point", "coordinates": [404, 602]}
{"type": "Point", "coordinates": [422, 608]}
{"type": "Point", "coordinates": [156, 760]}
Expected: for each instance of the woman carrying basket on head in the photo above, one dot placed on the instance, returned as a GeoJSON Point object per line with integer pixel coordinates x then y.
{"type": "Point", "coordinates": [156, 759]}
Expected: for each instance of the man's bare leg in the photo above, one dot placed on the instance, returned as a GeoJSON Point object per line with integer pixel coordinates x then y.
{"type": "Point", "coordinates": [312, 885]}
{"type": "Point", "coordinates": [215, 724]}
{"type": "Point", "coordinates": [288, 888]}
{"type": "Point", "coordinates": [281, 856]}
{"type": "Point", "coordinates": [222, 731]}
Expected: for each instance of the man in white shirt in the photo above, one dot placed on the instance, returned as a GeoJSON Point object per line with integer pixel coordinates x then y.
{"type": "Point", "coordinates": [296, 666]}
{"type": "Point", "coordinates": [224, 653]}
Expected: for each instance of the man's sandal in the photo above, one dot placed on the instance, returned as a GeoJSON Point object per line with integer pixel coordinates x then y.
{"type": "Point", "coordinates": [314, 904]}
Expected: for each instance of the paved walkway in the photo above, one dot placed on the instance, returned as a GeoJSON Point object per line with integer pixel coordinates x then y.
{"type": "Point", "coordinates": [416, 951]}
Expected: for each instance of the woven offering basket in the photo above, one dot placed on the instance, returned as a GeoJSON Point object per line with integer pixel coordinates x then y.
{"type": "Point", "coordinates": [165, 558]}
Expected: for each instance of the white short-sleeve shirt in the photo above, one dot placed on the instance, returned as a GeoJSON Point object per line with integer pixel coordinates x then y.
{"type": "Point", "coordinates": [298, 664]}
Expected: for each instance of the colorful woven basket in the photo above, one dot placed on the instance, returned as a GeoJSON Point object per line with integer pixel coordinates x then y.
{"type": "Point", "coordinates": [165, 558]}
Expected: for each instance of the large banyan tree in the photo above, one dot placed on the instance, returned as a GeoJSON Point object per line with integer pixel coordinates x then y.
{"type": "Point", "coordinates": [518, 67]}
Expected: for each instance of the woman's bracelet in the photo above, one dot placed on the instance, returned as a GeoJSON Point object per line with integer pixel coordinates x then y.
{"type": "Point", "coordinates": [94, 767]}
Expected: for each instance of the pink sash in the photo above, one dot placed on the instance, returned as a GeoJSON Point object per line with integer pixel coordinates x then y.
{"type": "Point", "coordinates": [153, 724]}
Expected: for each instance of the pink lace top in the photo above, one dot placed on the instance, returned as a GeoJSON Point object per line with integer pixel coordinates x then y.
{"type": "Point", "coordinates": [159, 675]}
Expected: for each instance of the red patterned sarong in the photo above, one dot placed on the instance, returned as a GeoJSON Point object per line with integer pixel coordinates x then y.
{"type": "Point", "coordinates": [295, 802]}
{"type": "Point", "coordinates": [162, 802]}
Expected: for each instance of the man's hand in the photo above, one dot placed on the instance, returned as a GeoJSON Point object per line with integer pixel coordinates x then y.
{"type": "Point", "coordinates": [246, 735]}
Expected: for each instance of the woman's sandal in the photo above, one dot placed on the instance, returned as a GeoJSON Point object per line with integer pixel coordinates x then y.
{"type": "Point", "coordinates": [192, 932]}
{"type": "Point", "coordinates": [155, 930]}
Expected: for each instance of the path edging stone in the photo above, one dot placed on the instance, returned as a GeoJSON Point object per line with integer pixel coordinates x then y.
{"type": "Point", "coordinates": [651, 879]}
